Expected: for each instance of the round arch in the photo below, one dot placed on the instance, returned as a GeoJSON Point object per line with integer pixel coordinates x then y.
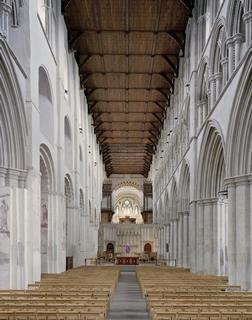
{"type": "Point", "coordinates": [46, 105]}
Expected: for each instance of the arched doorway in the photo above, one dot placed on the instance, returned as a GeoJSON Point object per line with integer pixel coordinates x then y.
{"type": "Point", "coordinates": [147, 248]}
{"type": "Point", "coordinates": [110, 248]}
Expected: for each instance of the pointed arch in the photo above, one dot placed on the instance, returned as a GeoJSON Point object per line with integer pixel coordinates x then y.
{"type": "Point", "coordinates": [212, 168]}
{"type": "Point", "coordinates": [239, 137]}
{"type": "Point", "coordinates": [218, 46]}
{"type": "Point", "coordinates": [235, 23]}
{"type": "Point", "coordinates": [174, 200]}
{"type": "Point", "coordinates": [13, 125]}
{"type": "Point", "coordinates": [184, 188]}
{"type": "Point", "coordinates": [166, 207]}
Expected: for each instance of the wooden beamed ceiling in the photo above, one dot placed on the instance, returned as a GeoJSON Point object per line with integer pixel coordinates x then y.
{"type": "Point", "coordinates": [128, 56]}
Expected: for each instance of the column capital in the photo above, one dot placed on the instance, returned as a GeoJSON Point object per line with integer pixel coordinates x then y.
{"type": "Point", "coordinates": [230, 42]}
{"type": "Point", "coordinates": [247, 16]}
{"type": "Point", "coordinates": [238, 180]}
{"type": "Point", "coordinates": [207, 201]}
{"type": "Point", "coordinates": [238, 37]}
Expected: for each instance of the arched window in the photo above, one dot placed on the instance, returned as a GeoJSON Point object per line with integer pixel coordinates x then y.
{"type": "Point", "coordinates": [46, 13]}
{"type": "Point", "coordinates": [46, 106]}
{"type": "Point", "coordinates": [203, 104]}
{"type": "Point", "coordinates": [218, 62]}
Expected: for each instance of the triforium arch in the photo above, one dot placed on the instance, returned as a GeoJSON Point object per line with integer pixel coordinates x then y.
{"type": "Point", "coordinates": [47, 188]}
{"type": "Point", "coordinates": [235, 23]}
{"type": "Point", "coordinates": [218, 61]}
{"type": "Point", "coordinates": [13, 128]}
{"type": "Point", "coordinates": [239, 173]}
{"type": "Point", "coordinates": [69, 198]}
{"type": "Point", "coordinates": [235, 32]}
{"type": "Point", "coordinates": [202, 92]}
{"type": "Point", "coordinates": [212, 204]}
{"type": "Point", "coordinates": [183, 211]}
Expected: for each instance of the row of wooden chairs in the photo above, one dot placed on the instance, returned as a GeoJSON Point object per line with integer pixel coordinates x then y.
{"type": "Point", "coordinates": [81, 293]}
{"type": "Point", "coordinates": [175, 293]}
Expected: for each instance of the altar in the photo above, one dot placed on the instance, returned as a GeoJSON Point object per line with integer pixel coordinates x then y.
{"type": "Point", "coordinates": [127, 260]}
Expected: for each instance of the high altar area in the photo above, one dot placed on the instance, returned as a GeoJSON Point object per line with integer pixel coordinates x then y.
{"type": "Point", "coordinates": [126, 228]}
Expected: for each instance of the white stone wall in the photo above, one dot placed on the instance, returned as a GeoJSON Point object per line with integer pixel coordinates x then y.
{"type": "Point", "coordinates": [206, 218]}
{"type": "Point", "coordinates": [39, 94]}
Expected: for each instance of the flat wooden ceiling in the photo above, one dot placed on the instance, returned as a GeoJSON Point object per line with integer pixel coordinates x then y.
{"type": "Point", "coordinates": [128, 56]}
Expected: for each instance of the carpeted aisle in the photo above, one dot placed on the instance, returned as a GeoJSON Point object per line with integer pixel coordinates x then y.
{"type": "Point", "coordinates": [127, 302]}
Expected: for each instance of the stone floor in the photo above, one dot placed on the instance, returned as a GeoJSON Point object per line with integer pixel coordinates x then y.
{"type": "Point", "coordinates": [127, 302]}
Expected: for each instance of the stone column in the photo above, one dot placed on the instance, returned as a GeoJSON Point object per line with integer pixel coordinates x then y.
{"type": "Point", "coordinates": [208, 236]}
{"type": "Point", "coordinates": [200, 238]}
{"type": "Point", "coordinates": [218, 81]}
{"type": "Point", "coordinates": [171, 246]}
{"type": "Point", "coordinates": [180, 239]}
{"type": "Point", "coordinates": [175, 236]}
{"type": "Point", "coordinates": [247, 18]}
{"type": "Point", "coordinates": [232, 261]}
{"type": "Point", "coordinates": [5, 11]}
{"type": "Point", "coordinates": [225, 77]}
{"type": "Point", "coordinates": [192, 250]}
{"type": "Point", "coordinates": [212, 84]}
{"type": "Point", "coordinates": [238, 39]}
{"type": "Point", "coordinates": [185, 239]}
{"type": "Point", "coordinates": [243, 232]}
{"type": "Point", "coordinates": [230, 46]}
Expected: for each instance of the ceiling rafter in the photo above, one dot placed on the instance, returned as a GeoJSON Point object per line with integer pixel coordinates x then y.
{"type": "Point", "coordinates": [123, 79]}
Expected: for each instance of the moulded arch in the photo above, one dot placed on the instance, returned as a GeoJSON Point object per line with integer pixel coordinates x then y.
{"type": "Point", "coordinates": [166, 206]}
{"type": "Point", "coordinates": [239, 136]}
{"type": "Point", "coordinates": [184, 187]}
{"type": "Point", "coordinates": [13, 125]}
{"type": "Point", "coordinates": [211, 168]}
{"type": "Point", "coordinates": [46, 156]}
{"type": "Point", "coordinates": [69, 193]}
{"type": "Point", "coordinates": [235, 23]}
{"type": "Point", "coordinates": [174, 199]}
{"type": "Point", "coordinates": [218, 46]}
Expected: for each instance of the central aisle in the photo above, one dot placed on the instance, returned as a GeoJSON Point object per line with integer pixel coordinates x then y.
{"type": "Point", "coordinates": [127, 302]}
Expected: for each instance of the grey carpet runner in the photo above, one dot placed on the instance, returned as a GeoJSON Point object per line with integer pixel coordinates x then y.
{"type": "Point", "coordinates": [127, 302]}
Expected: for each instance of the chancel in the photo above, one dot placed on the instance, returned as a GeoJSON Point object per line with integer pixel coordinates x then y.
{"type": "Point", "coordinates": [125, 159]}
